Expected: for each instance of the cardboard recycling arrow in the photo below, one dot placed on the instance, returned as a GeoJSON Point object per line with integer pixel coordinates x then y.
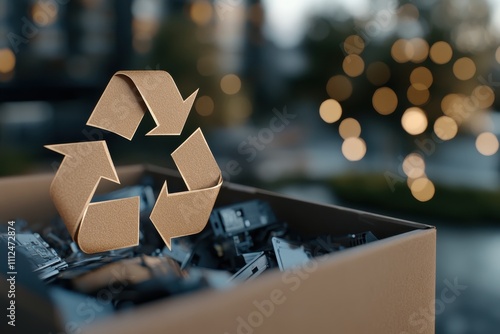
{"type": "Point", "coordinates": [128, 96]}
{"type": "Point", "coordinates": [103, 226]}
{"type": "Point", "coordinates": [186, 213]}
{"type": "Point", "coordinates": [96, 227]}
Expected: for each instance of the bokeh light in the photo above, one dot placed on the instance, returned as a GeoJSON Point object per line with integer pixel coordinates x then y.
{"type": "Point", "coordinates": [414, 166]}
{"type": "Point", "coordinates": [445, 128]}
{"type": "Point", "coordinates": [421, 78]}
{"type": "Point", "coordinates": [422, 189]}
{"type": "Point", "coordinates": [378, 73]}
{"type": "Point", "coordinates": [349, 127]}
{"type": "Point", "coordinates": [414, 121]}
{"type": "Point", "coordinates": [201, 12]}
{"type": "Point", "coordinates": [409, 11]}
{"type": "Point", "coordinates": [416, 96]}
{"type": "Point", "coordinates": [487, 143]}
{"type": "Point", "coordinates": [385, 101]}
{"type": "Point", "coordinates": [339, 87]}
{"type": "Point", "coordinates": [464, 68]}
{"type": "Point", "coordinates": [44, 15]}
{"type": "Point", "coordinates": [330, 111]}
{"type": "Point", "coordinates": [353, 65]}
{"type": "Point", "coordinates": [420, 49]}
{"type": "Point", "coordinates": [453, 105]}
{"type": "Point", "coordinates": [441, 52]}
{"type": "Point", "coordinates": [354, 44]}
{"type": "Point", "coordinates": [7, 60]}
{"type": "Point", "coordinates": [402, 51]}
{"type": "Point", "coordinates": [354, 148]}
{"type": "Point", "coordinates": [484, 96]}
{"type": "Point", "coordinates": [230, 84]}
{"type": "Point", "coordinates": [204, 105]}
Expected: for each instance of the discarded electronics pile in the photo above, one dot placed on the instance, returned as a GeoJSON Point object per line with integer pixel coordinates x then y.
{"type": "Point", "coordinates": [239, 243]}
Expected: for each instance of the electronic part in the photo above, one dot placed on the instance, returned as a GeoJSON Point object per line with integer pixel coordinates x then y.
{"type": "Point", "coordinates": [242, 217]}
{"type": "Point", "coordinates": [290, 255]}
{"type": "Point", "coordinates": [252, 269]}
{"type": "Point", "coordinates": [43, 259]}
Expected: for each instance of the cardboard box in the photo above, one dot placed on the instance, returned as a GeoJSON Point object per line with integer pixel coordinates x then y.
{"type": "Point", "coordinates": [381, 287]}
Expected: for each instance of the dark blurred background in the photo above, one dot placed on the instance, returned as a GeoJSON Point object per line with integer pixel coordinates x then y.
{"type": "Point", "coordinates": [388, 106]}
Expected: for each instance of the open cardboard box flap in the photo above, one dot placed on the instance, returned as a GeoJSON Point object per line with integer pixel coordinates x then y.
{"type": "Point", "coordinates": [375, 288]}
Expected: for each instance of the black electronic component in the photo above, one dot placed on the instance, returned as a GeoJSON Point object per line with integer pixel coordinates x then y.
{"type": "Point", "coordinates": [252, 269]}
{"type": "Point", "coordinates": [240, 242]}
{"type": "Point", "coordinates": [239, 218]}
{"type": "Point", "coordinates": [290, 255]}
{"type": "Point", "coordinates": [355, 239]}
{"type": "Point", "coordinates": [43, 259]}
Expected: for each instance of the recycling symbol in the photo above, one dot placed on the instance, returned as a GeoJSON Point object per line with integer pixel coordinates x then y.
{"type": "Point", "coordinates": [103, 226]}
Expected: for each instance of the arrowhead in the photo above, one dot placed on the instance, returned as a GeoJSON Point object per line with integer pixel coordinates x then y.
{"type": "Point", "coordinates": [78, 176]}
{"type": "Point", "coordinates": [174, 123]}
{"type": "Point", "coordinates": [183, 213]}
{"type": "Point", "coordinates": [95, 152]}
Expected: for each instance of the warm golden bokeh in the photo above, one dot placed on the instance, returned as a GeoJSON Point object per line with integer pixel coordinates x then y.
{"type": "Point", "coordinates": [414, 121]}
{"type": "Point", "coordinates": [445, 128]}
{"type": "Point", "coordinates": [354, 148]}
{"type": "Point", "coordinates": [420, 49]}
{"type": "Point", "coordinates": [339, 87]}
{"type": "Point", "coordinates": [416, 96]}
{"type": "Point", "coordinates": [421, 78]}
{"type": "Point", "coordinates": [201, 12]}
{"type": "Point", "coordinates": [487, 143]}
{"type": "Point", "coordinates": [385, 101]}
{"type": "Point", "coordinates": [230, 84]}
{"type": "Point", "coordinates": [441, 52]}
{"type": "Point", "coordinates": [464, 68]}
{"type": "Point", "coordinates": [402, 51]}
{"type": "Point", "coordinates": [378, 73]}
{"type": "Point", "coordinates": [354, 44]}
{"type": "Point", "coordinates": [409, 11]}
{"type": "Point", "coordinates": [422, 189]}
{"type": "Point", "coordinates": [483, 96]}
{"type": "Point", "coordinates": [330, 111]}
{"type": "Point", "coordinates": [353, 65]}
{"type": "Point", "coordinates": [453, 105]}
{"type": "Point", "coordinates": [414, 166]}
{"type": "Point", "coordinates": [349, 127]}
{"type": "Point", "coordinates": [44, 15]}
{"type": "Point", "coordinates": [204, 105]}
{"type": "Point", "coordinates": [7, 60]}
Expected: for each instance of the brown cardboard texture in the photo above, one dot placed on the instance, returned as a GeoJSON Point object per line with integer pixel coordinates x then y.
{"type": "Point", "coordinates": [379, 287]}
{"type": "Point", "coordinates": [99, 227]}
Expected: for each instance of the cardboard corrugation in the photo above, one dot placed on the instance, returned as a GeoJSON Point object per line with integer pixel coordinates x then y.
{"type": "Point", "coordinates": [375, 288]}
